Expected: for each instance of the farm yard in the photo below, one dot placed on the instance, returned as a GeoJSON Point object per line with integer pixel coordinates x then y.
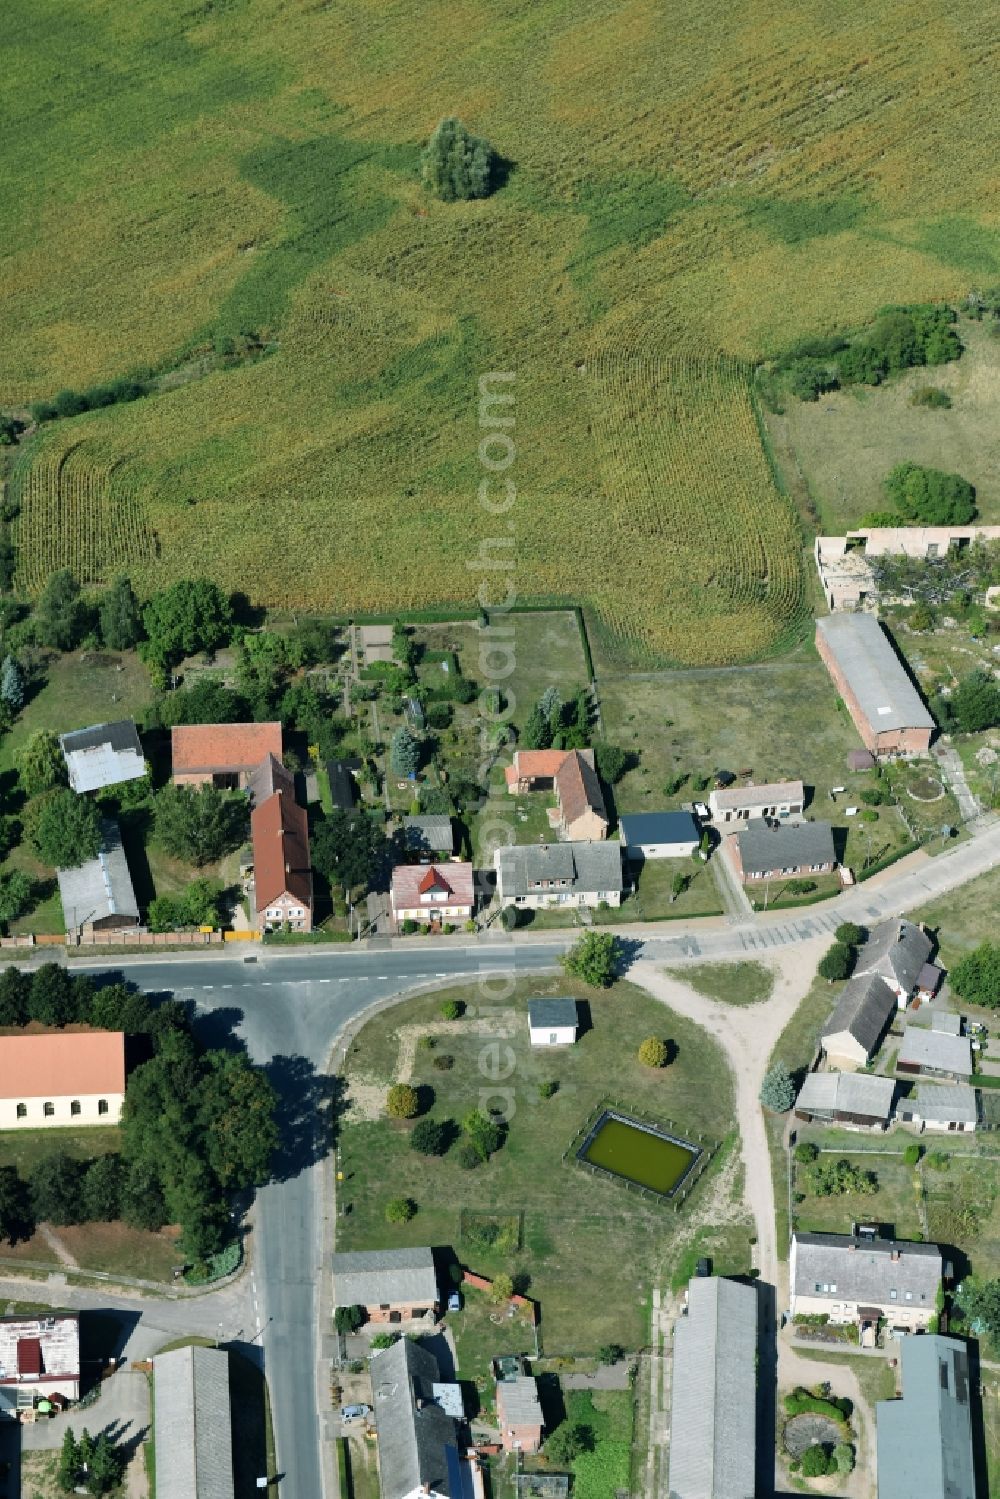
{"type": "Point", "coordinates": [669, 228]}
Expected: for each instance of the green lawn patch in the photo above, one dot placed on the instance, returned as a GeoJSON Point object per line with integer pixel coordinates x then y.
{"type": "Point", "coordinates": [745, 983]}
{"type": "Point", "coordinates": [796, 1047]}
{"type": "Point", "coordinates": [877, 1380]}
{"type": "Point", "coordinates": [600, 1473]}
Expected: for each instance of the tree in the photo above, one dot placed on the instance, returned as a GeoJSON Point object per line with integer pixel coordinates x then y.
{"type": "Point", "coordinates": [815, 1463]}
{"type": "Point", "coordinates": [850, 935]}
{"type": "Point", "coordinates": [40, 764]}
{"type": "Point", "coordinates": [402, 1101]}
{"type": "Point", "coordinates": [60, 615]}
{"type": "Point", "coordinates": [350, 850]}
{"type": "Point", "coordinates": [142, 1204]}
{"type": "Point", "coordinates": [537, 730]}
{"type": "Point", "coordinates": [457, 164]}
{"type": "Point", "coordinates": [430, 1137]}
{"type": "Point", "coordinates": [610, 1353]}
{"type": "Point", "coordinates": [51, 998]}
{"type": "Point", "coordinates": [976, 977]}
{"type": "Point", "coordinates": [15, 989]}
{"type": "Point", "coordinates": [980, 1301]}
{"type": "Point", "coordinates": [678, 885]}
{"type": "Point", "coordinates": [612, 762]}
{"type": "Point", "coordinates": [400, 1210]}
{"type": "Point", "coordinates": [404, 753]}
{"type": "Point", "coordinates": [502, 1289]}
{"type": "Point", "coordinates": [199, 825]}
{"type": "Point", "coordinates": [777, 1092]}
{"type": "Point", "coordinates": [69, 1462]}
{"type": "Point", "coordinates": [567, 1442]}
{"type": "Point", "coordinates": [12, 684]}
{"type": "Point", "coordinates": [106, 1466]}
{"type": "Point", "coordinates": [199, 904]}
{"type": "Point", "coordinates": [102, 1190]}
{"type": "Point", "coordinates": [929, 497]}
{"type": "Point", "coordinates": [188, 616]}
{"type": "Point", "coordinates": [237, 1117]}
{"type": "Point", "coordinates": [349, 1318]}
{"type": "Point", "coordinates": [594, 959]}
{"type": "Point", "coordinates": [206, 701]}
{"type": "Point", "coordinates": [119, 616]}
{"type": "Point", "coordinates": [975, 703]}
{"type": "Point", "coordinates": [16, 1218]}
{"type": "Point", "coordinates": [836, 963]}
{"type": "Point", "coordinates": [653, 1052]}
{"type": "Point", "coordinates": [453, 1009]}
{"type": "Point", "coordinates": [17, 895]}
{"type": "Point", "coordinates": [65, 831]}
{"type": "Point", "coordinates": [806, 1152]}
{"type": "Point", "coordinates": [57, 1189]}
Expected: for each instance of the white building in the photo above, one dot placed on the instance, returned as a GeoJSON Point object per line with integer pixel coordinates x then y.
{"type": "Point", "coordinates": [552, 1022]}
{"type": "Point", "coordinates": [39, 1360]}
{"type": "Point", "coordinates": [104, 755]}
{"type": "Point", "coordinates": [536, 876]}
{"type": "Point", "coordinates": [774, 799]}
{"type": "Point", "coordinates": [432, 892]}
{"type": "Point", "coordinates": [945, 1108]}
{"type": "Point", "coordinates": [53, 1080]}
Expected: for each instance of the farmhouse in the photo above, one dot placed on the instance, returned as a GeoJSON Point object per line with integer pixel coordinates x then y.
{"type": "Point", "coordinates": [924, 1440]}
{"type": "Point", "coordinates": [55, 1079]}
{"type": "Point", "coordinates": [742, 803]}
{"type": "Point", "coordinates": [713, 1407]}
{"type": "Point", "coordinates": [941, 1108]}
{"type": "Point", "coordinates": [552, 1022]}
{"type": "Point", "coordinates": [432, 892]}
{"type": "Point", "coordinates": [934, 1054]}
{"type": "Point", "coordinates": [658, 835]}
{"type": "Point", "coordinates": [849, 1098]}
{"type": "Point", "coordinates": [39, 1360]}
{"type": "Point", "coordinates": [898, 953]}
{"type": "Point", "coordinates": [581, 813]}
{"type": "Point", "coordinates": [267, 778]}
{"type": "Point", "coordinates": [536, 876]}
{"type": "Point", "coordinates": [845, 574]}
{"type": "Point", "coordinates": [428, 834]}
{"type": "Point", "coordinates": [340, 775]}
{"type": "Point", "coordinates": [520, 1414]}
{"type": "Point", "coordinates": [104, 755]}
{"type": "Point", "coordinates": [221, 754]}
{"type": "Point", "coordinates": [393, 1285]}
{"type": "Point", "coordinates": [193, 1424]}
{"type": "Point", "coordinates": [98, 896]}
{"type": "Point", "coordinates": [417, 1440]}
{"type": "Point", "coordinates": [860, 1020]}
{"type": "Point", "coordinates": [857, 1279]}
{"type": "Point", "coordinates": [887, 710]}
{"type": "Point", "coordinates": [282, 876]}
{"type": "Point", "coordinates": [791, 849]}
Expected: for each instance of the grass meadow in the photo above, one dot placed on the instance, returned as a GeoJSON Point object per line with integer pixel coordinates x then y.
{"type": "Point", "coordinates": [192, 174]}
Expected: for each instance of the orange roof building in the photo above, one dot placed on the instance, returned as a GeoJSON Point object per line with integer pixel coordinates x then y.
{"type": "Point", "coordinates": [580, 816]}
{"type": "Point", "coordinates": [283, 887]}
{"type": "Point", "coordinates": [56, 1079]}
{"type": "Point", "coordinates": [221, 754]}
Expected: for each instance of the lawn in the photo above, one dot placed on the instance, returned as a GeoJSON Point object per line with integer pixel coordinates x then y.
{"type": "Point", "coordinates": [603, 1472]}
{"type": "Point", "coordinates": [895, 1205]}
{"type": "Point", "coordinates": [877, 1380]}
{"type": "Point", "coordinates": [964, 918]}
{"type": "Point", "coordinates": [566, 1214]}
{"type": "Point", "coordinates": [746, 983]}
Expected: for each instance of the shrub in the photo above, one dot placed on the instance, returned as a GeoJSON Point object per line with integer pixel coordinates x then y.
{"type": "Point", "coordinates": [430, 1137]}
{"type": "Point", "coordinates": [868, 814]}
{"type": "Point", "coordinates": [453, 1009]}
{"type": "Point", "coordinates": [456, 164]}
{"type": "Point", "coordinates": [383, 1340]}
{"type": "Point", "coordinates": [806, 1152]}
{"type": "Point", "coordinates": [937, 399]}
{"type": "Point", "coordinates": [837, 1179]}
{"type": "Point", "coordinates": [610, 1353]}
{"type": "Point", "coordinates": [408, 927]}
{"type": "Point", "coordinates": [653, 1052]}
{"type": "Point", "coordinates": [801, 1401]}
{"type": "Point", "coordinates": [400, 1210]}
{"type": "Point", "coordinates": [815, 1463]}
{"type": "Point", "coordinates": [873, 796]}
{"type": "Point", "coordinates": [502, 1289]}
{"type": "Point", "coordinates": [921, 618]}
{"type": "Point", "coordinates": [594, 959]}
{"type": "Point", "coordinates": [930, 497]}
{"type": "Point", "coordinates": [548, 1089]}
{"type": "Point", "coordinates": [836, 963]}
{"type": "Point", "coordinates": [402, 1101]}
{"type": "Point", "coordinates": [843, 1453]}
{"type": "Point", "coordinates": [809, 379]}
{"type": "Point", "coordinates": [468, 1156]}
{"type": "Point", "coordinates": [349, 1318]}
{"type": "Point", "coordinates": [777, 1092]}
{"type": "Point", "coordinates": [912, 1154]}
{"type": "Point", "coordinates": [444, 1062]}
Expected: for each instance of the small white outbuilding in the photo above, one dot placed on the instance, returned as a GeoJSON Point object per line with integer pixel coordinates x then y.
{"type": "Point", "coordinates": [552, 1022]}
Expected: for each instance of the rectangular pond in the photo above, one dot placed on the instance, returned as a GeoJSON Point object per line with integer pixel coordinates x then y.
{"type": "Point", "coordinates": [645, 1154]}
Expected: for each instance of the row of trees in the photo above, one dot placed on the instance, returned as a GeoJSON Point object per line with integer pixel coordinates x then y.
{"type": "Point", "coordinates": [900, 338]}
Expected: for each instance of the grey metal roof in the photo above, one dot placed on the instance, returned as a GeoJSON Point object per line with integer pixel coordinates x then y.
{"type": "Point", "coordinates": [194, 1453]}
{"type": "Point", "coordinates": [791, 845]}
{"type": "Point", "coordinates": [267, 778]}
{"type": "Point", "coordinates": [103, 755]}
{"type": "Point", "coordinates": [947, 1022]}
{"type": "Point", "coordinates": [543, 1013]}
{"type": "Point", "coordinates": [414, 1433]}
{"type": "Point", "coordinates": [522, 868]}
{"type": "Point", "coordinates": [923, 1048]}
{"type": "Point", "coordinates": [848, 1093]}
{"type": "Point", "coordinates": [658, 827]}
{"type": "Point", "coordinates": [102, 887]}
{"type": "Point", "coordinates": [874, 673]}
{"type": "Point", "coordinates": [897, 950]}
{"type": "Point", "coordinates": [429, 833]}
{"type": "Point", "coordinates": [519, 1401]}
{"type": "Point", "coordinates": [343, 786]}
{"type": "Point", "coordinates": [863, 1010]}
{"type": "Point", "coordinates": [369, 1277]}
{"type": "Point", "coordinates": [863, 1270]}
{"type": "Point", "coordinates": [925, 1439]}
{"type": "Point", "coordinates": [944, 1103]}
{"type": "Point", "coordinates": [713, 1416]}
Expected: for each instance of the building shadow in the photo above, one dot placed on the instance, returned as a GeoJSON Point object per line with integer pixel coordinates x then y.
{"type": "Point", "coordinates": [767, 1387]}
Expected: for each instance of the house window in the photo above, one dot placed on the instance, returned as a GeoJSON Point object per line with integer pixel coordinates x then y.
{"type": "Point", "coordinates": [553, 1038]}
{"type": "Point", "coordinates": [893, 1295]}
{"type": "Point", "coordinates": [102, 1105]}
{"type": "Point", "coordinates": [22, 1111]}
{"type": "Point", "coordinates": [74, 1107]}
{"type": "Point", "coordinates": [909, 1295]}
{"type": "Point", "coordinates": [48, 1110]}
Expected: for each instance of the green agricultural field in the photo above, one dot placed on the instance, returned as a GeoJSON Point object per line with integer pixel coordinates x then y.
{"type": "Point", "coordinates": [175, 178]}
{"type": "Point", "coordinates": [566, 1212]}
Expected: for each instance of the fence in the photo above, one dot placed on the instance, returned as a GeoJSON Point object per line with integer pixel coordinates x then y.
{"type": "Point", "coordinates": [119, 939]}
{"type": "Point", "coordinates": [706, 1151]}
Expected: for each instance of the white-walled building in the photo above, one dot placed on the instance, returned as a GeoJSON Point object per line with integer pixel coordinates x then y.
{"type": "Point", "coordinates": [432, 892]}
{"type": "Point", "coordinates": [53, 1080]}
{"type": "Point", "coordinates": [552, 1022]}
{"type": "Point", "coordinates": [742, 803]}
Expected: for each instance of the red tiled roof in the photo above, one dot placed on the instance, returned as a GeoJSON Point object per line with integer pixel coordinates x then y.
{"type": "Point", "coordinates": [577, 786]}
{"type": "Point", "coordinates": [29, 1356]}
{"type": "Point", "coordinates": [409, 880]}
{"type": "Point", "coordinates": [279, 829]}
{"type": "Point", "coordinates": [221, 747]}
{"type": "Point", "coordinates": [57, 1065]}
{"type": "Point", "coordinates": [538, 764]}
{"type": "Point", "coordinates": [433, 880]}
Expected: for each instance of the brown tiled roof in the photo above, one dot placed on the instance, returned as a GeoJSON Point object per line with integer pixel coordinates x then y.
{"type": "Point", "coordinates": [577, 786]}
{"type": "Point", "coordinates": [221, 747]}
{"type": "Point", "coordinates": [279, 829]}
{"type": "Point", "coordinates": [408, 880]}
{"type": "Point", "coordinates": [57, 1065]}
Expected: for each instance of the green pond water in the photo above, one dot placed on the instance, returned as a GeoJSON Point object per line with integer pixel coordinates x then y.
{"type": "Point", "coordinates": [646, 1159]}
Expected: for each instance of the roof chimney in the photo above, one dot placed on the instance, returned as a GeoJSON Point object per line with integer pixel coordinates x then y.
{"type": "Point", "coordinates": [894, 1254]}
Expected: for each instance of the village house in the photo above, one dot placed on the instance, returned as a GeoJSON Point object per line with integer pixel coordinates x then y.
{"type": "Point", "coordinates": [713, 1407]}
{"type": "Point", "coordinates": [942, 1108]}
{"type": "Point", "coordinates": [552, 1022]}
{"type": "Point", "coordinates": [428, 834]}
{"type": "Point", "coordinates": [580, 814]}
{"type": "Point", "coordinates": [857, 1278]}
{"type": "Point", "coordinates": [743, 803]}
{"type": "Point", "coordinates": [854, 1099]}
{"type": "Point", "coordinates": [393, 1285]}
{"type": "Point", "coordinates": [419, 1454]}
{"type": "Point", "coordinates": [899, 953]}
{"type": "Point", "coordinates": [791, 850]}
{"type": "Point", "coordinates": [103, 755]}
{"type": "Point", "coordinates": [432, 893]}
{"type": "Point", "coordinates": [193, 1424]}
{"type": "Point", "coordinates": [658, 835]}
{"type": "Point", "coordinates": [282, 875]}
{"type": "Point", "coordinates": [55, 1079]}
{"type": "Point", "coordinates": [860, 1020]}
{"type": "Point", "coordinates": [98, 895]}
{"type": "Point", "coordinates": [39, 1361]}
{"type": "Point", "coordinates": [886, 708]}
{"type": "Point", "coordinates": [929, 1053]}
{"type": "Point", "coordinates": [536, 876]}
{"type": "Point", "coordinates": [519, 1413]}
{"type": "Point", "coordinates": [892, 968]}
{"type": "Point", "coordinates": [224, 755]}
{"type": "Point", "coordinates": [924, 1441]}
{"type": "Point", "coordinates": [267, 778]}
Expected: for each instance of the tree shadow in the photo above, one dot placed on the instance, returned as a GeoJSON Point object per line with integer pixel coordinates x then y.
{"type": "Point", "coordinates": [308, 1102]}
{"type": "Point", "coordinates": [126, 1436]}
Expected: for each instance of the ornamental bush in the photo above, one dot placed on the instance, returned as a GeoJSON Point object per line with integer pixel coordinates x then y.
{"type": "Point", "coordinates": [402, 1101]}
{"type": "Point", "coordinates": [653, 1052]}
{"type": "Point", "coordinates": [777, 1091]}
{"type": "Point", "coordinates": [400, 1210]}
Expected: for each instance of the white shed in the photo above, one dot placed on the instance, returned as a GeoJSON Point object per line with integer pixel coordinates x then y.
{"type": "Point", "coordinates": [552, 1022]}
